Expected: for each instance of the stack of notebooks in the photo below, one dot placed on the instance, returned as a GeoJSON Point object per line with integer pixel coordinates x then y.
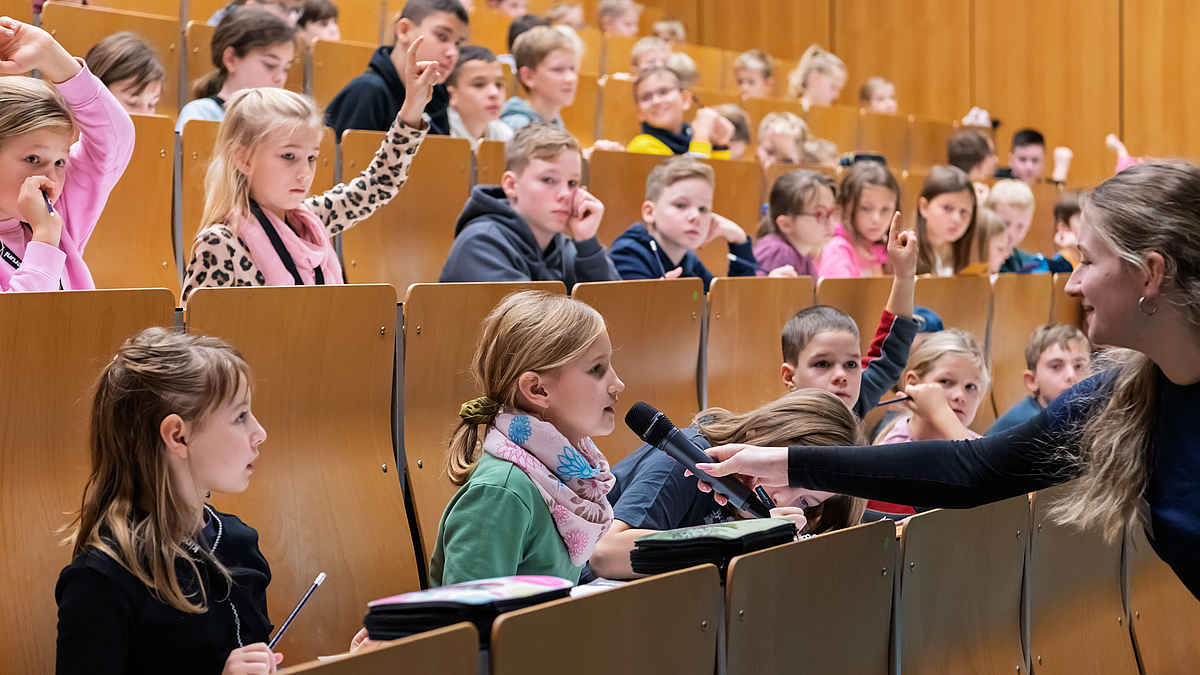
{"type": "Point", "coordinates": [479, 602]}
{"type": "Point", "coordinates": [717, 544]}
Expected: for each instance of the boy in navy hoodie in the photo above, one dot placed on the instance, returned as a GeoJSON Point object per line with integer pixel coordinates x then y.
{"type": "Point", "coordinates": [677, 219]}
{"type": "Point", "coordinates": [372, 99]}
{"type": "Point", "coordinates": [515, 231]}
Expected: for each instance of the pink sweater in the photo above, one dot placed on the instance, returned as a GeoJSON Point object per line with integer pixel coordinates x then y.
{"type": "Point", "coordinates": [96, 163]}
{"type": "Point", "coordinates": [839, 259]}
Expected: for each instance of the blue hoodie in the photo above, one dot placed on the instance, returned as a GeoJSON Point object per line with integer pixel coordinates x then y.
{"type": "Point", "coordinates": [636, 259]}
{"type": "Point", "coordinates": [493, 243]}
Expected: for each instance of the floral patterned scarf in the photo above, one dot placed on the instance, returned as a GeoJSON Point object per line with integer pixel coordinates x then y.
{"type": "Point", "coordinates": [573, 481]}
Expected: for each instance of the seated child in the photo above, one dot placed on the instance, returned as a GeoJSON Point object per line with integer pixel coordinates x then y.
{"type": "Point", "coordinates": [547, 59]}
{"type": "Point", "coordinates": [1013, 200]}
{"type": "Point", "coordinates": [1057, 358]}
{"type": "Point", "coordinates": [685, 67]}
{"type": "Point", "coordinates": [974, 153]}
{"type": "Point", "coordinates": [532, 501]}
{"type": "Point", "coordinates": [476, 88]}
{"type": "Point", "coordinates": [818, 79]}
{"type": "Point", "coordinates": [781, 138]}
{"type": "Point", "coordinates": [661, 100]}
{"type": "Point", "coordinates": [677, 219]}
{"type": "Point", "coordinates": [993, 239]}
{"type": "Point", "coordinates": [618, 17]}
{"type": "Point", "coordinates": [370, 101]}
{"type": "Point", "coordinates": [514, 231]}
{"type": "Point", "coordinates": [878, 95]}
{"type": "Point", "coordinates": [945, 222]}
{"type": "Point", "coordinates": [647, 53]}
{"type": "Point", "coordinates": [754, 72]}
{"type": "Point", "coordinates": [1066, 228]}
{"type": "Point", "coordinates": [567, 15]}
{"type": "Point", "coordinates": [130, 69]}
{"type": "Point", "coordinates": [670, 30]}
{"type": "Point", "coordinates": [740, 141]}
{"type": "Point", "coordinates": [250, 48]}
{"type": "Point", "coordinates": [652, 492]}
{"type": "Point", "coordinates": [318, 19]}
{"type": "Point", "coordinates": [946, 378]}
{"type": "Point", "coordinates": [510, 8]}
{"type": "Point", "coordinates": [516, 29]}
{"type": "Point", "coordinates": [867, 198]}
{"type": "Point", "coordinates": [799, 222]}
{"type": "Point", "coordinates": [1028, 158]}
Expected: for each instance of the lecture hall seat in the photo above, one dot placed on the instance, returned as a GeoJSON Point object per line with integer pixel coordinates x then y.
{"type": "Point", "coordinates": [862, 298]}
{"type": "Point", "coordinates": [334, 64]}
{"type": "Point", "coordinates": [1040, 238]}
{"type": "Point", "coordinates": [618, 52]}
{"type": "Point", "coordinates": [1166, 616]}
{"type": "Point", "coordinates": [452, 650]}
{"type": "Point", "coordinates": [1064, 308]}
{"type": "Point", "coordinates": [489, 163]}
{"type": "Point", "coordinates": [326, 495]}
{"type": "Point", "coordinates": [837, 124]}
{"type": "Point", "coordinates": [441, 333]}
{"type": "Point", "coordinates": [1020, 303]}
{"type": "Point", "coordinates": [928, 138]}
{"type": "Point", "coordinates": [654, 326]}
{"type": "Point", "coordinates": [885, 135]}
{"type": "Point", "coordinates": [580, 117]}
{"type": "Point", "coordinates": [49, 362]}
{"type": "Point", "coordinates": [710, 62]}
{"type": "Point", "coordinates": [746, 316]}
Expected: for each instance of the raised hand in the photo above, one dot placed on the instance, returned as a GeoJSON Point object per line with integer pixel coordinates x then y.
{"type": "Point", "coordinates": [419, 78]}
{"type": "Point", "coordinates": [24, 48]}
{"type": "Point", "coordinates": [586, 212]}
{"type": "Point", "coordinates": [902, 248]}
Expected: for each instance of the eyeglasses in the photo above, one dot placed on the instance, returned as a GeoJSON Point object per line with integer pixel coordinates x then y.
{"type": "Point", "coordinates": [822, 216]}
{"type": "Point", "coordinates": [648, 96]}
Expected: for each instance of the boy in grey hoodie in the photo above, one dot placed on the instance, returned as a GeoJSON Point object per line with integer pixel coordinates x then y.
{"type": "Point", "coordinates": [539, 224]}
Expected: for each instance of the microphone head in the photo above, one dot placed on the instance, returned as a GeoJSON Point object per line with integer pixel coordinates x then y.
{"type": "Point", "coordinates": [648, 423]}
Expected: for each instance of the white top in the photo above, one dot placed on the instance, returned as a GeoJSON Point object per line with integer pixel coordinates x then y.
{"type": "Point", "coordinates": [200, 109]}
{"type": "Point", "coordinates": [496, 130]}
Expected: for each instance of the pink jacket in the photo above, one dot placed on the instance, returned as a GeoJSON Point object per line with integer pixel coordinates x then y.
{"type": "Point", "coordinates": [96, 163]}
{"type": "Point", "coordinates": [840, 260]}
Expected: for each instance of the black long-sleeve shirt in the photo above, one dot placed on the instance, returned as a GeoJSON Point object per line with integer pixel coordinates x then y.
{"type": "Point", "coordinates": [110, 624]}
{"type": "Point", "coordinates": [1035, 455]}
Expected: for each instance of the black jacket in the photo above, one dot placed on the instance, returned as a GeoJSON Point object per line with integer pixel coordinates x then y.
{"type": "Point", "coordinates": [372, 100]}
{"type": "Point", "coordinates": [493, 243]}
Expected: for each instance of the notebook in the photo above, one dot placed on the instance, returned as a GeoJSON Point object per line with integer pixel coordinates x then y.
{"type": "Point", "coordinates": [717, 544]}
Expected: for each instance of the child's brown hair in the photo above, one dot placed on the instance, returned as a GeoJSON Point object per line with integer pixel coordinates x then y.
{"type": "Point", "coordinates": [125, 56]}
{"type": "Point", "coordinates": [860, 175]}
{"type": "Point", "coordinates": [1045, 337]}
{"type": "Point", "coordinates": [788, 196]}
{"type": "Point", "coordinates": [945, 180]}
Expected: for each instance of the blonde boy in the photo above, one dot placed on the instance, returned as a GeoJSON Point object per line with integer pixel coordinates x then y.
{"type": "Point", "coordinates": [618, 17]}
{"type": "Point", "coordinates": [754, 71]}
{"type": "Point", "coordinates": [649, 52]}
{"type": "Point", "coordinates": [1013, 201]}
{"type": "Point", "coordinates": [547, 59]}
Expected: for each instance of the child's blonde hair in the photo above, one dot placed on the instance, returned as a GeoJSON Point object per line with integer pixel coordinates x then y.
{"type": "Point", "coordinates": [685, 67]}
{"type": "Point", "coordinates": [558, 13]}
{"type": "Point", "coordinates": [673, 170]}
{"type": "Point", "coordinates": [540, 140]}
{"type": "Point", "coordinates": [814, 59]}
{"type": "Point", "coordinates": [1010, 192]}
{"type": "Point", "coordinates": [924, 358]}
{"type": "Point", "coordinates": [989, 225]}
{"type": "Point", "coordinates": [813, 150]}
{"type": "Point", "coordinates": [871, 87]}
{"type": "Point", "coordinates": [132, 508]}
{"type": "Point", "coordinates": [670, 30]}
{"type": "Point", "coordinates": [803, 417]}
{"type": "Point", "coordinates": [645, 46]}
{"type": "Point", "coordinates": [755, 60]}
{"type": "Point", "coordinates": [28, 104]}
{"type": "Point", "coordinates": [534, 45]}
{"type": "Point", "coordinates": [528, 331]}
{"type": "Point", "coordinates": [789, 195]}
{"type": "Point", "coordinates": [252, 116]}
{"type": "Point", "coordinates": [614, 9]}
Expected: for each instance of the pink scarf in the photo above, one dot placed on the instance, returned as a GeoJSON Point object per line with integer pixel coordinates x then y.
{"type": "Point", "coordinates": [309, 249]}
{"type": "Point", "coordinates": [573, 481]}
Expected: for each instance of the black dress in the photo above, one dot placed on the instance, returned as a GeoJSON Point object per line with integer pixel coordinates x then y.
{"type": "Point", "coordinates": [109, 623]}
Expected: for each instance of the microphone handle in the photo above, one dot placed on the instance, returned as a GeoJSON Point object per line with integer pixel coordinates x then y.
{"type": "Point", "coordinates": [686, 453]}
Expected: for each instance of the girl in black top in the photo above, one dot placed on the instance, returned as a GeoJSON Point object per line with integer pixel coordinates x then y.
{"type": "Point", "coordinates": [1128, 435]}
{"type": "Point", "coordinates": [161, 581]}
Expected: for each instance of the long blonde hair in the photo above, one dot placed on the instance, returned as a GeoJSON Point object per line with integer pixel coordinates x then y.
{"type": "Point", "coordinates": [814, 59]}
{"type": "Point", "coordinates": [132, 509]}
{"type": "Point", "coordinates": [251, 117]}
{"type": "Point", "coordinates": [1150, 208]}
{"type": "Point", "coordinates": [924, 359]}
{"type": "Point", "coordinates": [528, 331]}
{"type": "Point", "coordinates": [803, 417]}
{"type": "Point", "coordinates": [28, 104]}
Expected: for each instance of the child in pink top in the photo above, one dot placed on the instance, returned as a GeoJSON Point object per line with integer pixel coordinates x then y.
{"type": "Point", "coordinates": [868, 196]}
{"type": "Point", "coordinates": [799, 220]}
{"type": "Point", "coordinates": [41, 246]}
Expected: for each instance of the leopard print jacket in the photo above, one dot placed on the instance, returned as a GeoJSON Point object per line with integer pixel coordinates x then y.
{"type": "Point", "coordinates": [221, 258]}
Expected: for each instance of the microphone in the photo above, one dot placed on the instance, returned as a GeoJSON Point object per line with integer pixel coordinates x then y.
{"type": "Point", "coordinates": [653, 427]}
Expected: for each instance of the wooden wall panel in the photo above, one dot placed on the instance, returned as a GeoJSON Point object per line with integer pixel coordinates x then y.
{"type": "Point", "coordinates": [1054, 66]}
{"type": "Point", "coordinates": [1161, 56]}
{"type": "Point", "coordinates": [782, 28]}
{"type": "Point", "coordinates": [921, 45]}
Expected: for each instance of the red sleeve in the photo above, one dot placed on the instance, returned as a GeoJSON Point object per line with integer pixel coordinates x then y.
{"type": "Point", "coordinates": [881, 333]}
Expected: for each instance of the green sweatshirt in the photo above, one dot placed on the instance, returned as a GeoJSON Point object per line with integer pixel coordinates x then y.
{"type": "Point", "coordinates": [496, 525]}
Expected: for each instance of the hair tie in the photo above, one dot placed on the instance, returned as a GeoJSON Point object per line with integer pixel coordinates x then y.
{"type": "Point", "coordinates": [480, 410]}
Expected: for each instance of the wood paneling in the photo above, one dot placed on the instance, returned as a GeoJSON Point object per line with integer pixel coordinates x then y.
{"type": "Point", "coordinates": [782, 28]}
{"type": "Point", "coordinates": [1054, 66]}
{"type": "Point", "coordinates": [1161, 56]}
{"type": "Point", "coordinates": [921, 45]}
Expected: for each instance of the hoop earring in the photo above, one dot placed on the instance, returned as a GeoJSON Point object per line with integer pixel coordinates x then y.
{"type": "Point", "coordinates": [1142, 306]}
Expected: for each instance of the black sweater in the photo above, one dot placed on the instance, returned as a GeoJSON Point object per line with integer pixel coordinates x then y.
{"type": "Point", "coordinates": [372, 100]}
{"type": "Point", "coordinates": [1025, 458]}
{"type": "Point", "coordinates": [110, 624]}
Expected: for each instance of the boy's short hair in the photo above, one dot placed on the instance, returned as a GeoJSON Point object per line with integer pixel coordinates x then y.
{"type": "Point", "coordinates": [967, 148]}
{"type": "Point", "coordinates": [611, 9]}
{"type": "Point", "coordinates": [647, 44]}
{"type": "Point", "coordinates": [739, 118]}
{"type": "Point", "coordinates": [535, 44]}
{"type": "Point", "coordinates": [466, 54]}
{"type": "Point", "coordinates": [1025, 137]}
{"type": "Point", "coordinates": [1045, 337]}
{"type": "Point", "coordinates": [807, 323]}
{"type": "Point", "coordinates": [1066, 208]}
{"type": "Point", "coordinates": [521, 24]}
{"type": "Point", "coordinates": [540, 140]}
{"type": "Point", "coordinates": [675, 169]}
{"type": "Point", "coordinates": [417, 11]}
{"type": "Point", "coordinates": [685, 67]}
{"type": "Point", "coordinates": [1010, 192]}
{"type": "Point", "coordinates": [647, 73]}
{"type": "Point", "coordinates": [313, 11]}
{"type": "Point", "coordinates": [754, 59]}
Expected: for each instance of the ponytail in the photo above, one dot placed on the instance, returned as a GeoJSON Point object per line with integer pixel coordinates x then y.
{"type": "Point", "coordinates": [814, 59]}
{"type": "Point", "coordinates": [244, 29]}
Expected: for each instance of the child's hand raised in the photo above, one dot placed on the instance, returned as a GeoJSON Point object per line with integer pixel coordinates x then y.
{"type": "Point", "coordinates": [586, 212]}
{"type": "Point", "coordinates": [419, 78]}
{"type": "Point", "coordinates": [902, 249]}
{"type": "Point", "coordinates": [24, 48]}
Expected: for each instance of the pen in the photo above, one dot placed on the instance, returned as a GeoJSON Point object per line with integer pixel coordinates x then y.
{"type": "Point", "coordinates": [750, 263]}
{"type": "Point", "coordinates": [275, 640]}
{"type": "Point", "coordinates": [895, 400]}
{"type": "Point", "coordinates": [49, 207]}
